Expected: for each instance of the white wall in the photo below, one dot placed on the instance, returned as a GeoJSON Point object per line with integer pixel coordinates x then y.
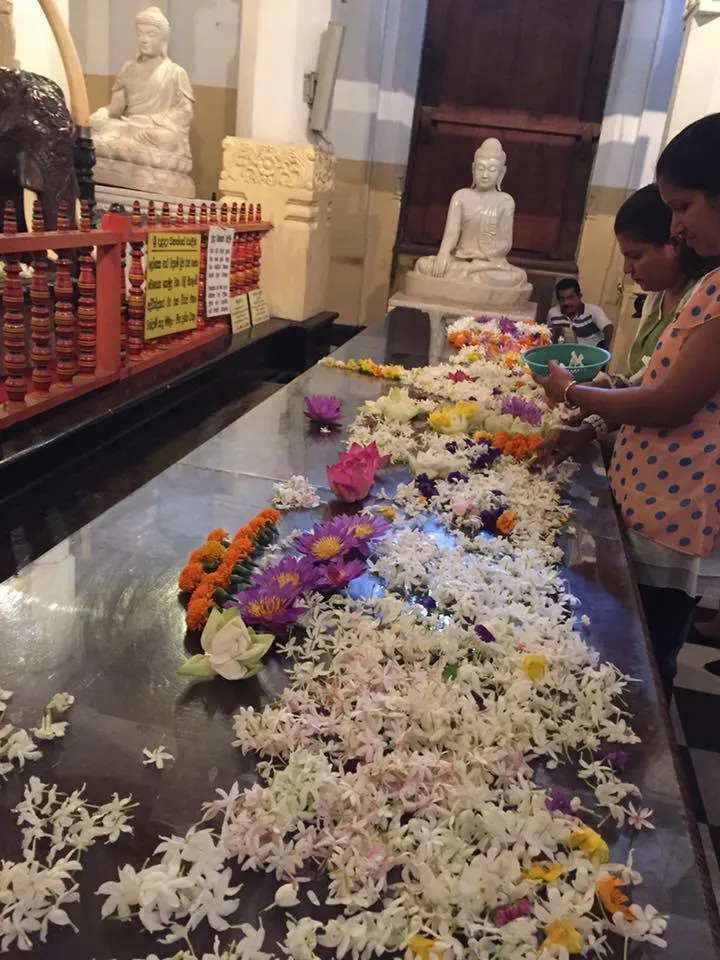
{"type": "Point", "coordinates": [641, 86]}
{"type": "Point", "coordinates": [697, 87]}
{"type": "Point", "coordinates": [35, 45]}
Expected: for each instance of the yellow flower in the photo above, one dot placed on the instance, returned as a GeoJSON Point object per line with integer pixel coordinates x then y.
{"type": "Point", "coordinates": [561, 933]}
{"type": "Point", "coordinates": [440, 420]}
{"type": "Point", "coordinates": [591, 844]}
{"type": "Point", "coordinates": [389, 512]}
{"type": "Point", "coordinates": [421, 947]}
{"type": "Point", "coordinates": [546, 872]}
{"type": "Point", "coordinates": [535, 666]}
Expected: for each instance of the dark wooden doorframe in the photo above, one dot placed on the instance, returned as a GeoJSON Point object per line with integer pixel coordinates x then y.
{"type": "Point", "coordinates": [565, 140]}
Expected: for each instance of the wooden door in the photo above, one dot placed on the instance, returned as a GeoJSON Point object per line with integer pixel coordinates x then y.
{"type": "Point", "coordinates": [534, 74]}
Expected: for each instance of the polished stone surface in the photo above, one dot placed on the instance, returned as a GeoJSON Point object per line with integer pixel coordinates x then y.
{"type": "Point", "coordinates": [98, 616]}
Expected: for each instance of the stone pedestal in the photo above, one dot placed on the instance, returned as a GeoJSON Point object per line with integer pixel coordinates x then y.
{"type": "Point", "coordinates": [433, 305]}
{"type": "Point", "coordinates": [294, 184]}
{"type": "Point", "coordinates": [482, 297]}
{"type": "Point", "coordinates": [107, 196]}
{"type": "Point", "coordinates": [131, 176]}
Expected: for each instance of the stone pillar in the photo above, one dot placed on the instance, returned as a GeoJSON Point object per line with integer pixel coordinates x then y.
{"type": "Point", "coordinates": [294, 184]}
{"type": "Point", "coordinates": [697, 81]}
{"type": "Point", "coordinates": [273, 160]}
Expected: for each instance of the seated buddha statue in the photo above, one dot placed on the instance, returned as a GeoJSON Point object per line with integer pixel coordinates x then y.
{"type": "Point", "coordinates": [142, 138]}
{"type": "Point", "coordinates": [472, 259]}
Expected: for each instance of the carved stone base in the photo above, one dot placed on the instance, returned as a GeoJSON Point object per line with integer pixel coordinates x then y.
{"type": "Point", "coordinates": [120, 173]}
{"type": "Point", "coordinates": [478, 295]}
{"type": "Point", "coordinates": [294, 184]}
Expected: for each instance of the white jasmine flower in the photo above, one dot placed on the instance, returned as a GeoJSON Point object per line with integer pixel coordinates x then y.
{"type": "Point", "coordinates": [49, 730]}
{"type": "Point", "coordinates": [5, 695]}
{"type": "Point", "coordinates": [640, 819]}
{"type": "Point", "coordinates": [61, 702]}
{"type": "Point", "coordinates": [301, 939]}
{"type": "Point", "coordinates": [296, 493]}
{"type": "Point", "coordinates": [325, 430]}
{"type": "Point", "coordinates": [157, 757]}
{"type": "Point", "coordinates": [286, 896]}
{"type": "Point", "coordinates": [20, 747]}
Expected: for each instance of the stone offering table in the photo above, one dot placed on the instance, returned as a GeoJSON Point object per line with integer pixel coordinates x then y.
{"type": "Point", "coordinates": [98, 616]}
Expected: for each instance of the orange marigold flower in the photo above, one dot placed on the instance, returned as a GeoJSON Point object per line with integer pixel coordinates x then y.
{"type": "Point", "coordinates": [190, 577]}
{"type": "Point", "coordinates": [613, 898]}
{"type": "Point", "coordinates": [272, 516]}
{"type": "Point", "coordinates": [218, 534]}
{"type": "Point", "coordinates": [205, 591]}
{"type": "Point", "coordinates": [211, 552]}
{"type": "Point", "coordinates": [507, 522]}
{"type": "Point", "coordinates": [197, 613]}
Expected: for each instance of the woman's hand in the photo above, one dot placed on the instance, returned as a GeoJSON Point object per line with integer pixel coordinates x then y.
{"type": "Point", "coordinates": [564, 443]}
{"type": "Point", "coordinates": [556, 382]}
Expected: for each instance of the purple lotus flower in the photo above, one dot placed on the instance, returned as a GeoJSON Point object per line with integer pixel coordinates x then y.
{"type": "Point", "coordinates": [426, 487]}
{"type": "Point", "coordinates": [326, 542]}
{"type": "Point", "coordinates": [505, 915]}
{"type": "Point", "coordinates": [618, 759]}
{"type": "Point", "coordinates": [506, 325]}
{"type": "Point", "coordinates": [485, 318]}
{"type": "Point", "coordinates": [363, 528]}
{"type": "Point", "coordinates": [559, 802]}
{"type": "Point", "coordinates": [484, 634]}
{"type": "Point", "coordinates": [296, 573]}
{"type": "Point", "coordinates": [524, 410]}
{"type": "Point", "coordinates": [274, 609]}
{"type": "Point", "coordinates": [336, 576]}
{"type": "Point", "coordinates": [322, 409]}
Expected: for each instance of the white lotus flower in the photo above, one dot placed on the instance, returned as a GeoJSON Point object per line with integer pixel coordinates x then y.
{"type": "Point", "coordinates": [232, 650]}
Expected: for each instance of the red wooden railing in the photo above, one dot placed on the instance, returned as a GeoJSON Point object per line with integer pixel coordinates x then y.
{"type": "Point", "coordinates": [87, 329]}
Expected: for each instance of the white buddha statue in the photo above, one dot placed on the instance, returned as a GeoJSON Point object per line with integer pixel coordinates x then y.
{"type": "Point", "coordinates": [142, 138]}
{"type": "Point", "coordinates": [471, 264]}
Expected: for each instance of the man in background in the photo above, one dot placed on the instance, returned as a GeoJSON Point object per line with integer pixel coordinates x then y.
{"type": "Point", "coordinates": [587, 322]}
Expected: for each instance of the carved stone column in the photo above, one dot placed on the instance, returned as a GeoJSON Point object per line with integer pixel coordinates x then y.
{"type": "Point", "coordinates": [7, 36]}
{"type": "Point", "coordinates": [294, 184]}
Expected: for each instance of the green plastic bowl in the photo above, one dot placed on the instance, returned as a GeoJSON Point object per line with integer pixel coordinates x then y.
{"type": "Point", "coordinates": [595, 359]}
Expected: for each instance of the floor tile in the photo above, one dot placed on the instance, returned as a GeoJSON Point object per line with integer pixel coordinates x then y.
{"type": "Point", "coordinates": [707, 771]}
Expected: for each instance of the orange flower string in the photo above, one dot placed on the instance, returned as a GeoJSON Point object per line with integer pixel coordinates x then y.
{"type": "Point", "coordinates": [211, 568]}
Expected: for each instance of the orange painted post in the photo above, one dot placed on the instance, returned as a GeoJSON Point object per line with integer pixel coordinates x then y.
{"type": "Point", "coordinates": [165, 221]}
{"type": "Point", "coordinates": [180, 216]}
{"type": "Point", "coordinates": [111, 294]}
{"type": "Point", "coordinates": [251, 213]}
{"type": "Point", "coordinates": [40, 322]}
{"type": "Point", "coordinates": [87, 305]}
{"type": "Point", "coordinates": [13, 319]}
{"type": "Point", "coordinates": [65, 320]}
{"type": "Point", "coordinates": [151, 215]}
{"type": "Point", "coordinates": [192, 216]}
{"type": "Point", "coordinates": [213, 213]}
{"type": "Point", "coordinates": [234, 213]}
{"type": "Point", "coordinates": [258, 213]}
{"type": "Point", "coordinates": [243, 213]}
{"type": "Point", "coordinates": [224, 214]}
{"type": "Point", "coordinates": [136, 299]}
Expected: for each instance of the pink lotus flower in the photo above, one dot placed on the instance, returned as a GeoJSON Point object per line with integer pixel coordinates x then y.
{"type": "Point", "coordinates": [351, 479]}
{"type": "Point", "coordinates": [461, 507]}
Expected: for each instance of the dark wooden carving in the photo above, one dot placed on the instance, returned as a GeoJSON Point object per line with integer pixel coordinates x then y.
{"type": "Point", "coordinates": [37, 144]}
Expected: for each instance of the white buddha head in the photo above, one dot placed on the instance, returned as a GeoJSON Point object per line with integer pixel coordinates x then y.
{"type": "Point", "coordinates": [489, 165]}
{"type": "Point", "coordinates": [153, 32]}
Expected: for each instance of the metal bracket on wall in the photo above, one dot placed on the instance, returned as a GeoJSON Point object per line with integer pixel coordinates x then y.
{"type": "Point", "coordinates": [310, 83]}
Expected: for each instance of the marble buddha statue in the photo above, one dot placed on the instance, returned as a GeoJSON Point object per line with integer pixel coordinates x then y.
{"type": "Point", "coordinates": [471, 265]}
{"type": "Point", "coordinates": [142, 138]}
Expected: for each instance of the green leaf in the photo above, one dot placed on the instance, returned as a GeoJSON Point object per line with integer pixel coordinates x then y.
{"type": "Point", "coordinates": [197, 666]}
{"type": "Point", "coordinates": [253, 671]}
{"type": "Point", "coordinates": [450, 672]}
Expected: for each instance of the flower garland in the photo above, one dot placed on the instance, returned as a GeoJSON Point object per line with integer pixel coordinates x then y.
{"type": "Point", "coordinates": [216, 565]}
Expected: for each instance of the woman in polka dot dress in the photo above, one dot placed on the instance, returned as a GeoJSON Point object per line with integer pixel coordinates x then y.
{"type": "Point", "coordinates": [665, 472]}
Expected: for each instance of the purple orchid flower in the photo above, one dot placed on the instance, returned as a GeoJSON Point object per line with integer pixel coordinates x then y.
{"type": "Point", "coordinates": [486, 459]}
{"type": "Point", "coordinates": [457, 477]}
{"type": "Point", "coordinates": [497, 392]}
{"type": "Point", "coordinates": [559, 802]}
{"type": "Point", "coordinates": [323, 409]}
{"type": "Point", "coordinates": [524, 410]}
{"type": "Point", "coordinates": [617, 759]}
{"type": "Point", "coordinates": [485, 318]}
{"type": "Point", "coordinates": [452, 447]}
{"type": "Point", "coordinates": [274, 609]}
{"type": "Point", "coordinates": [489, 519]}
{"type": "Point", "coordinates": [428, 602]}
{"type": "Point", "coordinates": [508, 326]}
{"type": "Point", "coordinates": [484, 634]}
{"type": "Point", "coordinates": [505, 915]}
{"type": "Point", "coordinates": [426, 487]}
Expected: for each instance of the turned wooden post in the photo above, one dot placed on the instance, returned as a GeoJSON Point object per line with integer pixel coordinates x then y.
{"type": "Point", "coordinates": [66, 331]}
{"type": "Point", "coordinates": [13, 317]}
{"type": "Point", "coordinates": [87, 304]}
